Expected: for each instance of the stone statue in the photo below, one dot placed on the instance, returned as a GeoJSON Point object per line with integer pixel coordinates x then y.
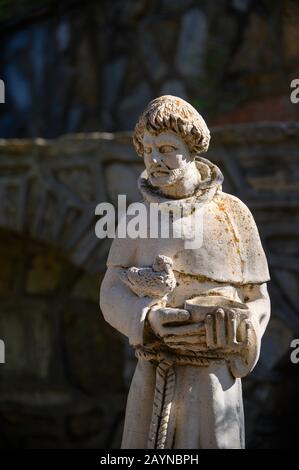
{"type": "Point", "coordinates": [195, 316]}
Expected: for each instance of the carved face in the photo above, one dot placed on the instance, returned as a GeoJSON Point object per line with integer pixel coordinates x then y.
{"type": "Point", "coordinates": [166, 158]}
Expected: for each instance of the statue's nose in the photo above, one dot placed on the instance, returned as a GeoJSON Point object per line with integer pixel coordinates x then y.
{"type": "Point", "coordinates": [156, 157]}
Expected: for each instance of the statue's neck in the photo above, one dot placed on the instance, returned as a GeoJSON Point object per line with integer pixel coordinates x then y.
{"type": "Point", "coordinates": [185, 187]}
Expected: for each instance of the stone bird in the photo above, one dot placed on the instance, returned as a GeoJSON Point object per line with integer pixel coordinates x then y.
{"type": "Point", "coordinates": [156, 281]}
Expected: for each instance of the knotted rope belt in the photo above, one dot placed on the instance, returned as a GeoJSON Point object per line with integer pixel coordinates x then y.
{"type": "Point", "coordinates": [165, 388]}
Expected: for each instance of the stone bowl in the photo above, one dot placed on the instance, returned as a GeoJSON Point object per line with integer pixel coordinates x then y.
{"type": "Point", "coordinates": [202, 305]}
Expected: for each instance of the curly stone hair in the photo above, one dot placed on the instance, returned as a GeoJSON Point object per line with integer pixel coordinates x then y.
{"type": "Point", "coordinates": [169, 113]}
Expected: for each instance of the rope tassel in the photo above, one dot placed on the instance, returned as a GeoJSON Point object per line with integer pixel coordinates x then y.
{"type": "Point", "coordinates": [164, 392]}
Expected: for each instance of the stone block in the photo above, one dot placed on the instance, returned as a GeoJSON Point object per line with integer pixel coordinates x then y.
{"type": "Point", "coordinates": [26, 330]}
{"type": "Point", "coordinates": [44, 274]}
{"type": "Point", "coordinates": [94, 353]}
{"type": "Point", "coordinates": [122, 179]}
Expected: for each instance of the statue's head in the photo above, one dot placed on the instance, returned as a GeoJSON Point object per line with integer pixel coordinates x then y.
{"type": "Point", "coordinates": [168, 135]}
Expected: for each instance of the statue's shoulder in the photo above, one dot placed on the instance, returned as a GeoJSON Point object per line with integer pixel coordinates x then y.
{"type": "Point", "coordinates": [230, 204]}
{"type": "Point", "coordinates": [239, 217]}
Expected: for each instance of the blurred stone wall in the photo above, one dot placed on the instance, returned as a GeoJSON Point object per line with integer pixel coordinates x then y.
{"type": "Point", "coordinates": [88, 66]}
{"type": "Point", "coordinates": [66, 375]}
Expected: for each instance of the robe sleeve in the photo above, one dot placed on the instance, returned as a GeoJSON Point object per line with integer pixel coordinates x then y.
{"type": "Point", "coordinates": [257, 300]}
{"type": "Point", "coordinates": [124, 310]}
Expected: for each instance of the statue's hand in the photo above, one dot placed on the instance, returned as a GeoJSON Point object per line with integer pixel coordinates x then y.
{"type": "Point", "coordinates": [166, 321]}
{"type": "Point", "coordinates": [227, 332]}
{"type": "Point", "coordinates": [221, 331]}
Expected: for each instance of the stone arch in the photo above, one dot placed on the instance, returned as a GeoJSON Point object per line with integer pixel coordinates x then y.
{"type": "Point", "coordinates": [56, 382]}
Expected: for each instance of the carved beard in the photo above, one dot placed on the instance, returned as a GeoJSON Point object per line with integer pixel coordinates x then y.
{"type": "Point", "coordinates": [169, 178]}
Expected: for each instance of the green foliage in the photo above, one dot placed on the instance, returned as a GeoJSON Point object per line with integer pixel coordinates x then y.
{"type": "Point", "coordinates": [199, 104]}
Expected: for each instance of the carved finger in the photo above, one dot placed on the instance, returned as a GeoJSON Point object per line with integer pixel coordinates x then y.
{"type": "Point", "coordinates": [169, 315]}
{"type": "Point", "coordinates": [183, 330]}
{"type": "Point", "coordinates": [220, 328]}
{"type": "Point", "coordinates": [231, 329]}
{"type": "Point", "coordinates": [209, 324]}
{"type": "Point", "coordinates": [248, 328]}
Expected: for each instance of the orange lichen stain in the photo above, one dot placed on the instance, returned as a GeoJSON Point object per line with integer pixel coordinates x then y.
{"type": "Point", "coordinates": [221, 206]}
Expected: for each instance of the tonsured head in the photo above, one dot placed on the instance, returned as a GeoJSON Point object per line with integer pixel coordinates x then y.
{"type": "Point", "coordinates": [169, 134]}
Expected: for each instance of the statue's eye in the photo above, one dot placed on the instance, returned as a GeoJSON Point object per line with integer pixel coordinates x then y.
{"type": "Point", "coordinates": [167, 148]}
{"type": "Point", "coordinates": [147, 150]}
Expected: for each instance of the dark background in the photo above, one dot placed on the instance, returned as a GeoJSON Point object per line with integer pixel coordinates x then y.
{"type": "Point", "coordinates": [79, 73]}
